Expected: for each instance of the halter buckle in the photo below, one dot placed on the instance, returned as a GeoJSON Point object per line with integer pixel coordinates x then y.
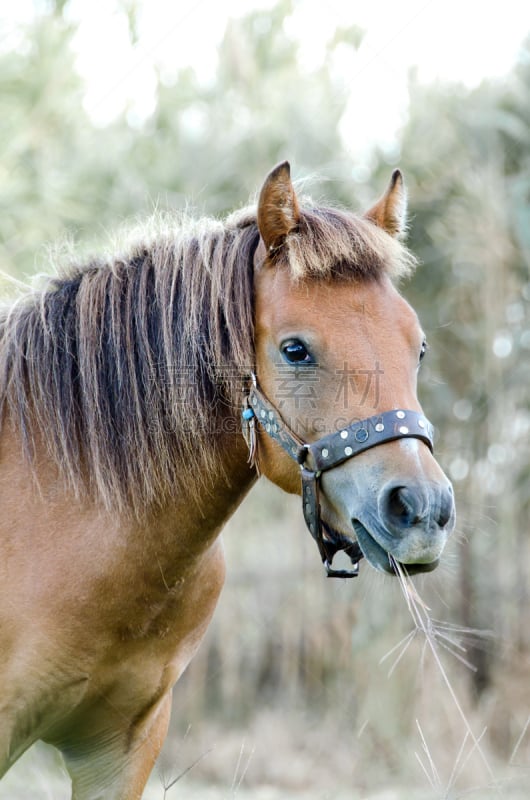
{"type": "Point", "coordinates": [341, 573]}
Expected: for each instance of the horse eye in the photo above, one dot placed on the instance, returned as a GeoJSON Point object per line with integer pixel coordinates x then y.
{"type": "Point", "coordinates": [295, 352]}
{"type": "Point", "coordinates": [423, 350]}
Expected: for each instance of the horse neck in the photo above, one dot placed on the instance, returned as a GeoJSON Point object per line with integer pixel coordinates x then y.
{"type": "Point", "coordinates": [204, 504]}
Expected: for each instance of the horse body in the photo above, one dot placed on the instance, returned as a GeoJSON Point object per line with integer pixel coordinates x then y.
{"type": "Point", "coordinates": [122, 455]}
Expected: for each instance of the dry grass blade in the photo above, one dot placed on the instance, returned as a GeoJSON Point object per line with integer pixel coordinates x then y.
{"type": "Point", "coordinates": [461, 762]}
{"type": "Point", "coordinates": [423, 624]}
{"type": "Point", "coordinates": [184, 772]}
{"type": "Point", "coordinates": [403, 646]}
{"type": "Point", "coordinates": [452, 648]}
{"type": "Point", "coordinates": [236, 782]}
{"type": "Point", "coordinates": [433, 777]}
{"type": "Point", "coordinates": [519, 741]}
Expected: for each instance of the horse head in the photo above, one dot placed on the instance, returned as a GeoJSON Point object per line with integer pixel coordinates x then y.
{"type": "Point", "coordinates": [337, 356]}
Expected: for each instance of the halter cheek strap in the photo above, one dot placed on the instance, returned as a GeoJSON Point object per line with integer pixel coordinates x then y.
{"type": "Point", "coordinates": [328, 452]}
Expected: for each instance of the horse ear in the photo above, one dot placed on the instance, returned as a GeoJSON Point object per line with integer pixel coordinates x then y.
{"type": "Point", "coordinates": [390, 211]}
{"type": "Point", "coordinates": [278, 210]}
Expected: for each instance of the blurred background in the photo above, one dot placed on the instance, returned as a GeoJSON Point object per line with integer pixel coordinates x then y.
{"type": "Point", "coordinates": [307, 688]}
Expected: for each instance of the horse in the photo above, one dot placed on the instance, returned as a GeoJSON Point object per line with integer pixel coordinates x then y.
{"type": "Point", "coordinates": [141, 396]}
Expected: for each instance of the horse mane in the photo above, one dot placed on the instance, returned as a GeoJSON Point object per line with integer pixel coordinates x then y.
{"type": "Point", "coordinates": [124, 367]}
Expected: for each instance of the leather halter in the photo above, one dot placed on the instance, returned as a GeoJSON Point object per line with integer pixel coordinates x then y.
{"type": "Point", "coordinates": [327, 453]}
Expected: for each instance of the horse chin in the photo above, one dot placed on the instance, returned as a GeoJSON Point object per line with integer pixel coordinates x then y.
{"type": "Point", "coordinates": [380, 558]}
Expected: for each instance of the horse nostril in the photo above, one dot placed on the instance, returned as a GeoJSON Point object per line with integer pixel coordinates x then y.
{"type": "Point", "coordinates": [405, 505]}
{"type": "Point", "coordinates": [446, 508]}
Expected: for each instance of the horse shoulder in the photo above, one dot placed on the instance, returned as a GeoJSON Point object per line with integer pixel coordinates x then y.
{"type": "Point", "coordinates": [92, 605]}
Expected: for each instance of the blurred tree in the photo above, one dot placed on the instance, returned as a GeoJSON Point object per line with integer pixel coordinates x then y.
{"type": "Point", "coordinates": [41, 111]}
{"type": "Point", "coordinates": [212, 141]}
{"type": "Point", "coordinates": [208, 142]}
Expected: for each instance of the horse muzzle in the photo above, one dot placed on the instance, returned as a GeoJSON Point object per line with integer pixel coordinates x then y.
{"type": "Point", "coordinates": [405, 523]}
{"type": "Point", "coordinates": [409, 524]}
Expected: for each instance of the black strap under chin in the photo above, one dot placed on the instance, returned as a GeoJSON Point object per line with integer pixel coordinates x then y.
{"type": "Point", "coordinates": [327, 453]}
{"type": "Point", "coordinates": [328, 543]}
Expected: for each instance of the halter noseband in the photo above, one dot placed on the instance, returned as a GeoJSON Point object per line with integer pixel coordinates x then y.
{"type": "Point", "coordinates": [327, 453]}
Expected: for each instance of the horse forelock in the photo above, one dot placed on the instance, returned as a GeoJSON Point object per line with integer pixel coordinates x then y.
{"type": "Point", "coordinates": [123, 368]}
{"type": "Point", "coordinates": [332, 244]}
